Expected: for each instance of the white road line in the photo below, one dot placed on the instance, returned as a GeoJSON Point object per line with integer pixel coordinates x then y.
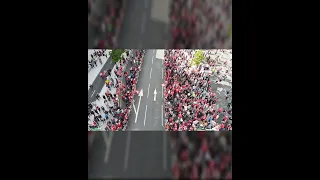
{"type": "Point", "coordinates": [162, 91]}
{"type": "Point", "coordinates": [150, 73]}
{"type": "Point", "coordinates": [93, 93]}
{"type": "Point", "coordinates": [148, 91]}
{"type": "Point", "coordinates": [134, 108]}
{"type": "Point", "coordinates": [152, 59]}
{"type": "Point", "coordinates": [145, 115]}
{"type": "Point", "coordinates": [162, 115]}
{"type": "Point", "coordinates": [162, 73]}
{"type": "Point", "coordinates": [143, 23]}
{"type": "Point", "coordinates": [108, 145]}
{"type": "Point", "coordinates": [126, 155]}
{"type": "Point", "coordinates": [164, 151]}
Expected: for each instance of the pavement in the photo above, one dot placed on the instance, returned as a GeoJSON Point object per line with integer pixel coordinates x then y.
{"type": "Point", "coordinates": [98, 83]}
{"type": "Point", "coordinates": [143, 27]}
{"type": "Point", "coordinates": [226, 85]}
{"type": "Point", "coordinates": [131, 155]}
{"type": "Point", "coordinates": [149, 115]}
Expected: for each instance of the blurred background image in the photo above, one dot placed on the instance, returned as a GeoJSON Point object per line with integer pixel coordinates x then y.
{"type": "Point", "coordinates": [172, 155]}
{"type": "Point", "coordinates": [157, 24]}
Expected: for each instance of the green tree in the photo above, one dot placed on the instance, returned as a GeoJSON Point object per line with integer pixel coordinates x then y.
{"type": "Point", "coordinates": [198, 58]}
{"type": "Point", "coordinates": [116, 54]}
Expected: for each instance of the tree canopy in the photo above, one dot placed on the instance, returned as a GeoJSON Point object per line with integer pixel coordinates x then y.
{"type": "Point", "coordinates": [198, 58]}
{"type": "Point", "coordinates": [116, 54]}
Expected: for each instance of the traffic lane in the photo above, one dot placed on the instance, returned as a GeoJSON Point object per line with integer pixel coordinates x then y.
{"type": "Point", "coordinates": [115, 165]}
{"type": "Point", "coordinates": [98, 83]}
{"type": "Point", "coordinates": [97, 167]}
{"type": "Point", "coordinates": [143, 83]}
{"type": "Point", "coordinates": [156, 36]}
{"type": "Point", "coordinates": [99, 7]}
{"type": "Point", "coordinates": [148, 153]}
{"type": "Point", "coordinates": [149, 156]}
{"type": "Point", "coordinates": [154, 114]}
{"type": "Point", "coordinates": [134, 16]}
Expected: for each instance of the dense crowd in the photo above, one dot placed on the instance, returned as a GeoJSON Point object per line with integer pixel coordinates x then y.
{"type": "Point", "coordinates": [104, 21]}
{"type": "Point", "coordinates": [128, 88]}
{"type": "Point", "coordinates": [111, 114]}
{"type": "Point", "coordinates": [95, 58]}
{"type": "Point", "coordinates": [190, 103]}
{"type": "Point", "coordinates": [202, 155]}
{"type": "Point", "coordinates": [106, 107]}
{"type": "Point", "coordinates": [201, 24]}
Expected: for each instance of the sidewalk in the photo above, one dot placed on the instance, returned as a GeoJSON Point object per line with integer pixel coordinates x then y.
{"type": "Point", "coordinates": [94, 72]}
{"type": "Point", "coordinates": [100, 102]}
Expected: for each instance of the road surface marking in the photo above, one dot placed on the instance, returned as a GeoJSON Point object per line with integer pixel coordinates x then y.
{"type": "Point", "coordinates": [148, 91]}
{"type": "Point", "coordinates": [145, 115]}
{"type": "Point", "coordinates": [146, 4]}
{"type": "Point", "coordinates": [162, 73]}
{"type": "Point", "coordinates": [95, 91]}
{"type": "Point", "coordinates": [140, 94]}
{"type": "Point", "coordinates": [155, 94]}
{"type": "Point", "coordinates": [143, 23]}
{"type": "Point", "coordinates": [162, 115]}
{"type": "Point", "coordinates": [134, 108]}
{"type": "Point", "coordinates": [162, 91]}
{"type": "Point", "coordinates": [150, 73]}
{"type": "Point", "coordinates": [126, 156]}
{"type": "Point", "coordinates": [152, 59]}
{"type": "Point", "coordinates": [108, 141]}
{"type": "Point", "coordinates": [164, 151]}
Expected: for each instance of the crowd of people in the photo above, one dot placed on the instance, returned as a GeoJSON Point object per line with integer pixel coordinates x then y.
{"type": "Point", "coordinates": [128, 88]}
{"type": "Point", "coordinates": [104, 22]}
{"type": "Point", "coordinates": [201, 155]}
{"type": "Point", "coordinates": [107, 112]}
{"type": "Point", "coordinates": [189, 102]}
{"type": "Point", "coordinates": [201, 24]}
{"type": "Point", "coordinates": [95, 58]}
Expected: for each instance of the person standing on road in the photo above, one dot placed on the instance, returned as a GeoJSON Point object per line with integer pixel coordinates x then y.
{"type": "Point", "coordinates": [95, 62]}
{"type": "Point", "coordinates": [98, 97]}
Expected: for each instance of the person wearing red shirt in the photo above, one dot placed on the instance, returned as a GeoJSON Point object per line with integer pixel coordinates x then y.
{"type": "Point", "coordinates": [113, 128]}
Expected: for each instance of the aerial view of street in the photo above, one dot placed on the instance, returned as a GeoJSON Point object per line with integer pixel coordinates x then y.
{"type": "Point", "coordinates": [129, 155]}
{"type": "Point", "coordinates": [161, 24]}
{"type": "Point", "coordinates": [167, 155]}
{"type": "Point", "coordinates": [157, 90]}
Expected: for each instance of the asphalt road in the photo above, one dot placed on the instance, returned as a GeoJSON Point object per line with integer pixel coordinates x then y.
{"type": "Point", "coordinates": [98, 83]}
{"type": "Point", "coordinates": [139, 29]}
{"type": "Point", "coordinates": [150, 112]}
{"type": "Point", "coordinates": [132, 155]}
{"type": "Point", "coordinates": [99, 8]}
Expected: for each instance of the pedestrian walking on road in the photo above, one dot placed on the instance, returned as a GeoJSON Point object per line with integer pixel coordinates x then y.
{"type": "Point", "coordinates": [91, 86]}
{"type": "Point", "coordinates": [98, 97]}
{"type": "Point", "coordinates": [95, 62]}
{"type": "Point", "coordinates": [104, 97]}
{"type": "Point", "coordinates": [100, 60]}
